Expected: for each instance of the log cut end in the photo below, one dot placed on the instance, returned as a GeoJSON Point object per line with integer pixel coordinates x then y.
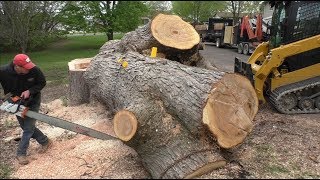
{"type": "Point", "coordinates": [230, 109]}
{"type": "Point", "coordinates": [172, 31]}
{"type": "Point", "coordinates": [125, 125]}
{"type": "Point", "coordinates": [79, 64]}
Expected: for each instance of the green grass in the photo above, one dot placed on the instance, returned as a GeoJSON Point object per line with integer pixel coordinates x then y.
{"type": "Point", "coordinates": [308, 175]}
{"type": "Point", "coordinates": [5, 171]}
{"type": "Point", "coordinates": [53, 61]}
{"type": "Point", "coordinates": [276, 169]}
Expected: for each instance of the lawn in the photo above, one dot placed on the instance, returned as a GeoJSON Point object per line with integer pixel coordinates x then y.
{"type": "Point", "coordinates": [54, 60]}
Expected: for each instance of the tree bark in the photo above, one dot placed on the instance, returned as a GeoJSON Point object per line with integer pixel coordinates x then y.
{"type": "Point", "coordinates": [176, 117]}
{"type": "Point", "coordinates": [179, 41]}
{"type": "Point", "coordinates": [193, 95]}
{"type": "Point", "coordinates": [175, 106]}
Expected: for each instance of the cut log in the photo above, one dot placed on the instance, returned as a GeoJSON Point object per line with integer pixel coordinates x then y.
{"type": "Point", "coordinates": [125, 125]}
{"type": "Point", "coordinates": [165, 146]}
{"type": "Point", "coordinates": [228, 112]}
{"type": "Point", "coordinates": [178, 109]}
{"type": "Point", "coordinates": [79, 92]}
{"type": "Point", "coordinates": [172, 31]}
{"type": "Point", "coordinates": [226, 102]}
{"type": "Point", "coordinates": [176, 117]}
{"type": "Point", "coordinates": [176, 41]}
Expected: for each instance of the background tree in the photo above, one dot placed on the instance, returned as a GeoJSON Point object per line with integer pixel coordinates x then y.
{"type": "Point", "coordinates": [128, 15]}
{"type": "Point", "coordinates": [104, 16]}
{"type": "Point", "coordinates": [156, 7]}
{"type": "Point", "coordinates": [28, 24]}
{"type": "Point", "coordinates": [197, 11]}
{"type": "Point", "coordinates": [73, 16]}
{"type": "Point", "coordinates": [239, 7]}
{"type": "Point", "coordinates": [253, 7]}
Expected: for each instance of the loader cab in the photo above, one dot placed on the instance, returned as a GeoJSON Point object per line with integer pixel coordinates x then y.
{"type": "Point", "coordinates": [293, 21]}
{"type": "Point", "coordinates": [277, 25]}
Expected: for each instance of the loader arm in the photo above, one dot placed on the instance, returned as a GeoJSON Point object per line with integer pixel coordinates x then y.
{"type": "Point", "coordinates": [285, 70]}
{"type": "Point", "coordinates": [262, 69]}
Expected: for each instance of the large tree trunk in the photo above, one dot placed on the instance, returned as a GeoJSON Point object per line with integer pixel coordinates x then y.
{"type": "Point", "coordinates": [171, 108]}
{"type": "Point", "coordinates": [177, 117]}
{"type": "Point", "coordinates": [223, 101]}
{"type": "Point", "coordinates": [183, 44]}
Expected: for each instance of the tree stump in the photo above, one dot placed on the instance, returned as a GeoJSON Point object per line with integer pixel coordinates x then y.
{"type": "Point", "coordinates": [79, 92]}
{"type": "Point", "coordinates": [176, 115]}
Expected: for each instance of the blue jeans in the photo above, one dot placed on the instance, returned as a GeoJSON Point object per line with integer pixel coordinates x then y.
{"type": "Point", "coordinates": [28, 126]}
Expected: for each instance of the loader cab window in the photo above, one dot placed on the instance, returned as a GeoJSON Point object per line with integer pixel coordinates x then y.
{"type": "Point", "coordinates": [305, 20]}
{"type": "Point", "coordinates": [294, 21]}
{"type": "Point", "coordinates": [278, 23]}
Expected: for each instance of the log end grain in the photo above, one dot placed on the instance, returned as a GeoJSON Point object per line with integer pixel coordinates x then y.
{"type": "Point", "coordinates": [79, 64]}
{"type": "Point", "coordinates": [172, 31]}
{"type": "Point", "coordinates": [230, 109]}
{"type": "Point", "coordinates": [125, 125]}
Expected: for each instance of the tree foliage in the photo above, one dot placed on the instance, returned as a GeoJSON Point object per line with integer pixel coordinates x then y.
{"type": "Point", "coordinates": [72, 16]}
{"type": "Point", "coordinates": [27, 25]}
{"type": "Point", "coordinates": [239, 7]}
{"type": "Point", "coordinates": [127, 20]}
{"type": "Point", "coordinates": [103, 16]}
{"type": "Point", "coordinates": [156, 7]}
{"type": "Point", "coordinates": [197, 11]}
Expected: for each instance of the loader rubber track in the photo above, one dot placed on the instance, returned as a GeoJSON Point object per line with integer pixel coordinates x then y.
{"type": "Point", "coordinates": [294, 89]}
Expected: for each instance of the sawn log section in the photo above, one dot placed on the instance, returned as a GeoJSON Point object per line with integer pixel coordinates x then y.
{"type": "Point", "coordinates": [176, 115]}
{"type": "Point", "coordinates": [174, 104]}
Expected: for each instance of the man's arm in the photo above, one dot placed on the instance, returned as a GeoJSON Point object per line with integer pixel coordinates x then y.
{"type": "Point", "coordinates": [40, 83]}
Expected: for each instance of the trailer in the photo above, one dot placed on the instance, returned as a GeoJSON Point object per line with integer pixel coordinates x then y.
{"type": "Point", "coordinates": [216, 30]}
{"type": "Point", "coordinates": [246, 35]}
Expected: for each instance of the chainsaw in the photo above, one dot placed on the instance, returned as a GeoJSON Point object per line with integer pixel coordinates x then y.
{"type": "Point", "coordinates": [14, 105]}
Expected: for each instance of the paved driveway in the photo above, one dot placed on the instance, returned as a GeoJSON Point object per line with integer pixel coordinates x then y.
{"type": "Point", "coordinates": [222, 58]}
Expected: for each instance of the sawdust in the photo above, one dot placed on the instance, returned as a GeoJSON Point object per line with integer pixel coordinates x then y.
{"type": "Point", "coordinates": [280, 146]}
{"type": "Point", "coordinates": [78, 156]}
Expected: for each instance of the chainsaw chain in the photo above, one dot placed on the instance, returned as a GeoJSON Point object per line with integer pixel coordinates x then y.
{"type": "Point", "coordinates": [278, 93]}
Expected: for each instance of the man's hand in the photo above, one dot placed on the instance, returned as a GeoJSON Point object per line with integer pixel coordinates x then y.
{"type": "Point", "coordinates": [25, 94]}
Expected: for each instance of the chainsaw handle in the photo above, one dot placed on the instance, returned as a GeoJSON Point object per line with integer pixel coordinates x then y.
{"type": "Point", "coordinates": [15, 99]}
{"type": "Point", "coordinates": [20, 99]}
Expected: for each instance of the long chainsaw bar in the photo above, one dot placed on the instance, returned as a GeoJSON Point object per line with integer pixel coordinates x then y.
{"type": "Point", "coordinates": [20, 110]}
{"type": "Point", "coordinates": [69, 125]}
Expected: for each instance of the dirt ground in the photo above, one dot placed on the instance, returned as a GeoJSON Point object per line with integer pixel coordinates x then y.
{"type": "Point", "coordinates": [280, 146]}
